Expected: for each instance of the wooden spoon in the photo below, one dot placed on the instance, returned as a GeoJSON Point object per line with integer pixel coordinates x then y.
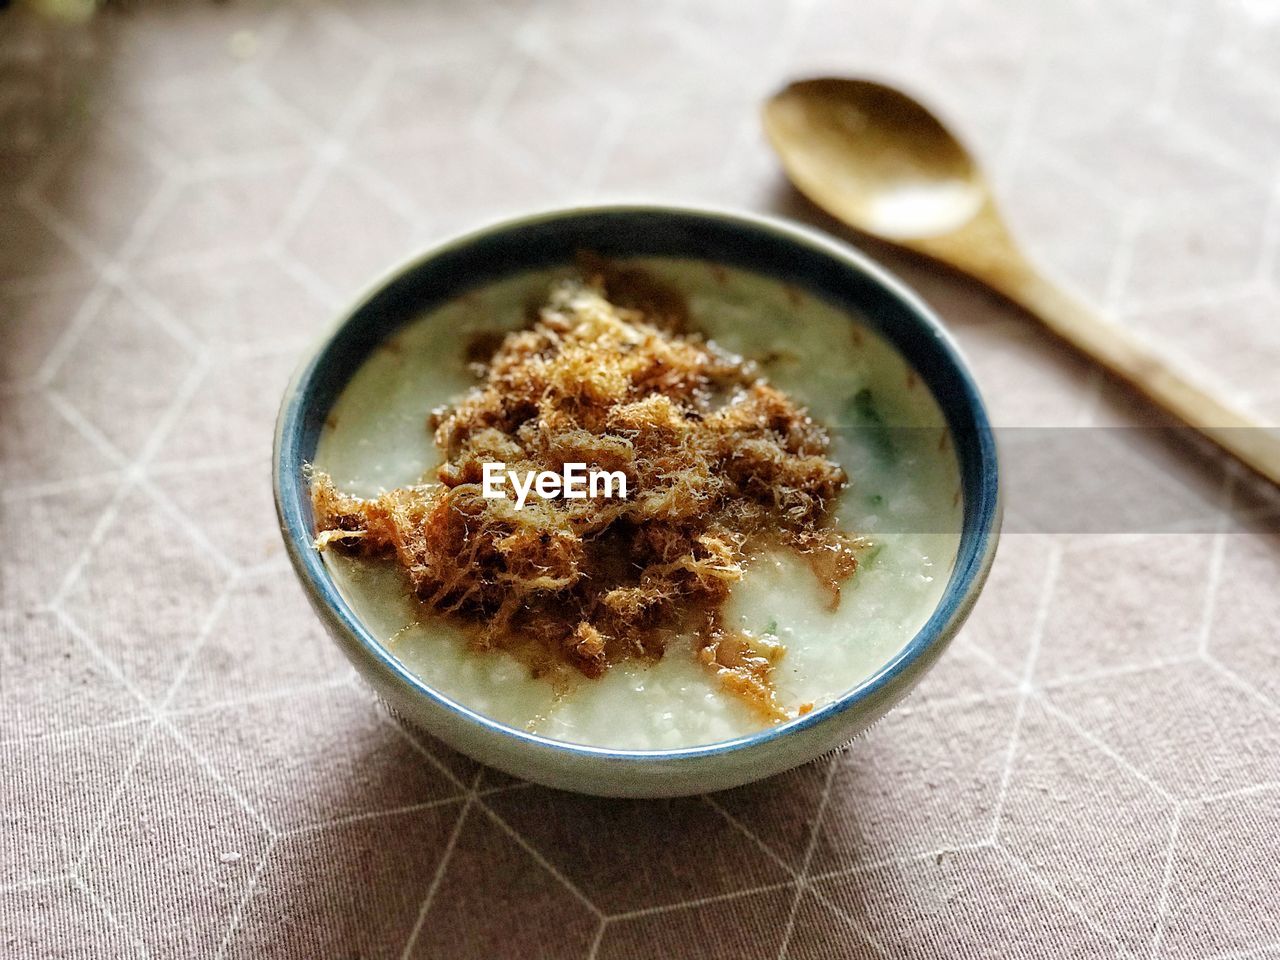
{"type": "Point", "coordinates": [877, 160]}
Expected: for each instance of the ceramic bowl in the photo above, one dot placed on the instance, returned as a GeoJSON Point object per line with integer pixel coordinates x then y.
{"type": "Point", "coordinates": [791, 255]}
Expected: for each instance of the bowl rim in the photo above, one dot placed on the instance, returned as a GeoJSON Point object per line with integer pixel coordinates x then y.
{"type": "Point", "coordinates": [967, 574]}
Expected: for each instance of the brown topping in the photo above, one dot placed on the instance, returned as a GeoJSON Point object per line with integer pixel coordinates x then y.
{"type": "Point", "coordinates": [717, 461]}
{"type": "Point", "coordinates": [636, 289]}
{"type": "Point", "coordinates": [745, 665]}
{"type": "Point", "coordinates": [482, 346]}
{"type": "Point", "coordinates": [833, 557]}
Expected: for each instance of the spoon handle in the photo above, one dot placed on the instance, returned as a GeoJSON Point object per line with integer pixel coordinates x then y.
{"type": "Point", "coordinates": [1241, 435]}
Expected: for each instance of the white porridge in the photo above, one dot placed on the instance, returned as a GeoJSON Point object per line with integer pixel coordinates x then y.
{"type": "Point", "coordinates": [902, 495]}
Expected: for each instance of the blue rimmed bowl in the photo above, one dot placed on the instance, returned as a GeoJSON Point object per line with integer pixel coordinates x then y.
{"type": "Point", "coordinates": [789, 254]}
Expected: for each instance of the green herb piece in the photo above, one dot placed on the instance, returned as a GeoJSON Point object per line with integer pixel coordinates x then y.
{"type": "Point", "coordinates": [865, 560]}
{"type": "Point", "coordinates": [865, 415]}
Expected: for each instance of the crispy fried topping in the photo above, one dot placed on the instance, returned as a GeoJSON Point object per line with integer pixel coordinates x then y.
{"type": "Point", "coordinates": [718, 464]}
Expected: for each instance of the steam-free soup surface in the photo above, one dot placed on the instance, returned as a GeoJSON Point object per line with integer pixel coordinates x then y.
{"type": "Point", "coordinates": [887, 432]}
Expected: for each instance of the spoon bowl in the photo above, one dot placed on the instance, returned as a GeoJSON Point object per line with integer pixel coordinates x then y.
{"type": "Point", "coordinates": [910, 179]}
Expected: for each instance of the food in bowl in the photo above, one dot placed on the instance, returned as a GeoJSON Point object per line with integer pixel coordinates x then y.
{"type": "Point", "coordinates": [791, 515]}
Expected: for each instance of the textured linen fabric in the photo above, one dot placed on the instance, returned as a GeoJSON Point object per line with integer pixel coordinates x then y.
{"type": "Point", "coordinates": [190, 191]}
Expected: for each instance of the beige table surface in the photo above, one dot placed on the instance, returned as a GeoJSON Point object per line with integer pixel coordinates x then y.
{"type": "Point", "coordinates": [190, 191]}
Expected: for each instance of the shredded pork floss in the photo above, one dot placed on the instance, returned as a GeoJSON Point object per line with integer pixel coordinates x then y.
{"type": "Point", "coordinates": [719, 465]}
